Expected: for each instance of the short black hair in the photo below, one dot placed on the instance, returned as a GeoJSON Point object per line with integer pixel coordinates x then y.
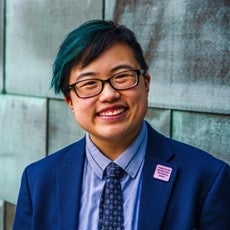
{"type": "Point", "coordinates": [86, 43]}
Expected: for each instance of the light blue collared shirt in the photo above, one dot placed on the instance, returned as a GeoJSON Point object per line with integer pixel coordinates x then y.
{"type": "Point", "coordinates": [131, 160]}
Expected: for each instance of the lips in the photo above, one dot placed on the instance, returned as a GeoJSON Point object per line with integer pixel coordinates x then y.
{"type": "Point", "coordinates": [112, 112]}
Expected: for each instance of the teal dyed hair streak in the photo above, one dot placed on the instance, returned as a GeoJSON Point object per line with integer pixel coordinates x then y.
{"type": "Point", "coordinates": [86, 43]}
{"type": "Point", "coordinates": [72, 49]}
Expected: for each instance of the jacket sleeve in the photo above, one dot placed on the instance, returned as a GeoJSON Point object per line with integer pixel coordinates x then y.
{"type": "Point", "coordinates": [23, 215]}
{"type": "Point", "coordinates": [216, 210]}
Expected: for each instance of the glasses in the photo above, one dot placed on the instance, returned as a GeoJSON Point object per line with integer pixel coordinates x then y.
{"type": "Point", "coordinates": [93, 87]}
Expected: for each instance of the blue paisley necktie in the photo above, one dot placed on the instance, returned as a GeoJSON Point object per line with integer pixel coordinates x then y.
{"type": "Point", "coordinates": [111, 208]}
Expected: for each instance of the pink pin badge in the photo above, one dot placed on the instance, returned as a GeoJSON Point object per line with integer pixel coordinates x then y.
{"type": "Point", "coordinates": [162, 172]}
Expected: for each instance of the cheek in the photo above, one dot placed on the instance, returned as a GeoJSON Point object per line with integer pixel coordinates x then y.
{"type": "Point", "coordinates": [83, 111]}
{"type": "Point", "coordinates": [138, 106]}
{"type": "Point", "coordinates": [140, 101]}
{"type": "Point", "coordinates": [141, 95]}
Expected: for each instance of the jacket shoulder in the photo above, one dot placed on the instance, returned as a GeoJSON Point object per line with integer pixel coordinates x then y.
{"type": "Point", "coordinates": [58, 159]}
{"type": "Point", "coordinates": [184, 154]}
{"type": "Point", "coordinates": [194, 156]}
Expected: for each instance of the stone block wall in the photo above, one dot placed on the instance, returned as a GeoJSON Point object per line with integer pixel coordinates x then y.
{"type": "Point", "coordinates": [186, 44]}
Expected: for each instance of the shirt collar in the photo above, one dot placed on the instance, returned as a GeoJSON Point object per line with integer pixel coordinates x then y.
{"type": "Point", "coordinates": [130, 160]}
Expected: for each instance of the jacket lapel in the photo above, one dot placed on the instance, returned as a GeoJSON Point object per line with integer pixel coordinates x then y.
{"type": "Point", "coordinates": [156, 190]}
{"type": "Point", "coordinates": [69, 181]}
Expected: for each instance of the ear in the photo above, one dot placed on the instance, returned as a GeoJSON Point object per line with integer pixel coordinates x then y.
{"type": "Point", "coordinates": [147, 79]}
{"type": "Point", "coordinates": [68, 101]}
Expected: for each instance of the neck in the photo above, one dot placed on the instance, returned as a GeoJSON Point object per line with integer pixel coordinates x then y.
{"type": "Point", "coordinates": [113, 148]}
{"type": "Point", "coordinates": [110, 148]}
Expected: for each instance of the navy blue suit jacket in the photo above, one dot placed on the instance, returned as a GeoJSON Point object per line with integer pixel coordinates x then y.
{"type": "Point", "coordinates": [197, 195]}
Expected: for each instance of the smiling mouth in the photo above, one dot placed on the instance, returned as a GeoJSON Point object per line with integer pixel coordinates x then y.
{"type": "Point", "coordinates": [111, 113]}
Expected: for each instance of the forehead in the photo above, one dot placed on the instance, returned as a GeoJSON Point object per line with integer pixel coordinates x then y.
{"type": "Point", "coordinates": [116, 58]}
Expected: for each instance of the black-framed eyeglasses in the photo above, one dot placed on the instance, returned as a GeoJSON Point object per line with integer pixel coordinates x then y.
{"type": "Point", "coordinates": [93, 87]}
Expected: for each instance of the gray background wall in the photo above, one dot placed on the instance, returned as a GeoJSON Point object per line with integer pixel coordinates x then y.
{"type": "Point", "coordinates": [186, 43]}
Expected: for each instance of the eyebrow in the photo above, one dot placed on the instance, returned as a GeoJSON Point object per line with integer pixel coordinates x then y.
{"type": "Point", "coordinates": [116, 68]}
{"type": "Point", "coordinates": [124, 66]}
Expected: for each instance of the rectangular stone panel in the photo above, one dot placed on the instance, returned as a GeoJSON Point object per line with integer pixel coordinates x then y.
{"type": "Point", "coordinates": [1, 43]}
{"type": "Point", "coordinates": [186, 44]}
{"type": "Point", "coordinates": [34, 32]}
{"type": "Point", "coordinates": [63, 129]}
{"type": "Point", "coordinates": [1, 214]}
{"type": "Point", "coordinates": [23, 139]}
{"type": "Point", "coordinates": [160, 120]}
{"type": "Point", "coordinates": [9, 216]}
{"type": "Point", "coordinates": [206, 131]}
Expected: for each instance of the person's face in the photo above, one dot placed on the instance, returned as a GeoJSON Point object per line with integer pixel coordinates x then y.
{"type": "Point", "coordinates": [113, 116]}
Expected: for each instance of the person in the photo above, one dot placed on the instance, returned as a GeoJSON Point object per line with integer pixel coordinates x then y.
{"type": "Point", "coordinates": [165, 184]}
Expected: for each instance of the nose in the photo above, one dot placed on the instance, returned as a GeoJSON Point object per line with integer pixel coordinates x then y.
{"type": "Point", "coordinates": [108, 93]}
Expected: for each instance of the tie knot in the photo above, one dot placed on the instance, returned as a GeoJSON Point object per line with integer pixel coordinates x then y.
{"type": "Point", "coordinates": [114, 171]}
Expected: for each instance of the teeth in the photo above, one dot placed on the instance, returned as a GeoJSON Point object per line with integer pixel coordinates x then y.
{"type": "Point", "coordinates": [112, 113]}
